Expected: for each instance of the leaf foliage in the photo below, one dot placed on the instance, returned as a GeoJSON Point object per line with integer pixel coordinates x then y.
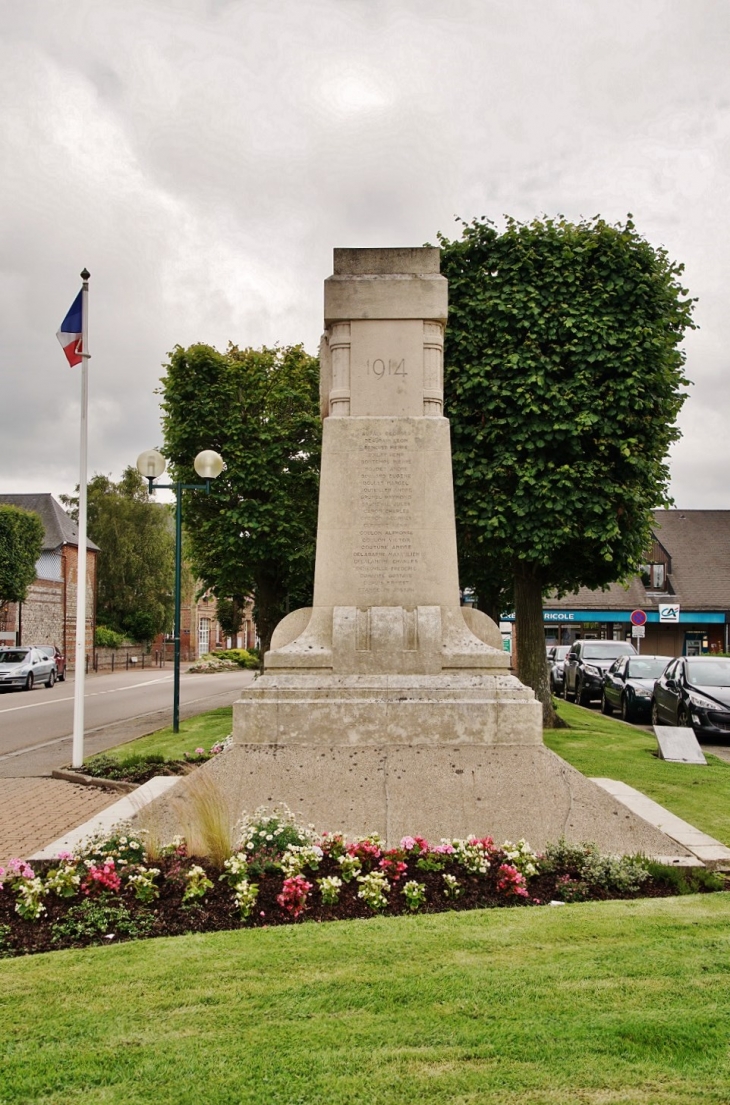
{"type": "Point", "coordinates": [254, 534]}
{"type": "Point", "coordinates": [21, 542]}
{"type": "Point", "coordinates": [563, 380]}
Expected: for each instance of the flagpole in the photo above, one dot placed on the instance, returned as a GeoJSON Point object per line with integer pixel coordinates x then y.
{"type": "Point", "coordinates": [80, 668]}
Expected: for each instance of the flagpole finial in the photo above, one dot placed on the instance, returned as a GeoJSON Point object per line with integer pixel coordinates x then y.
{"type": "Point", "coordinates": [85, 274]}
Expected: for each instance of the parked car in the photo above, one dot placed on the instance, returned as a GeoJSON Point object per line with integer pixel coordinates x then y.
{"type": "Point", "coordinates": [694, 691]}
{"type": "Point", "coordinates": [24, 666]}
{"type": "Point", "coordinates": [556, 669]}
{"type": "Point", "coordinates": [585, 664]}
{"type": "Point", "coordinates": [59, 659]}
{"type": "Point", "coordinates": [629, 684]}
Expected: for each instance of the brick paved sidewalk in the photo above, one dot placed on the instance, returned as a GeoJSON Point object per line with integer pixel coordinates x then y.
{"type": "Point", "coordinates": [36, 811]}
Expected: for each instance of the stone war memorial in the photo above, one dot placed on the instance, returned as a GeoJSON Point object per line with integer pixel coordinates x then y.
{"type": "Point", "coordinates": [387, 707]}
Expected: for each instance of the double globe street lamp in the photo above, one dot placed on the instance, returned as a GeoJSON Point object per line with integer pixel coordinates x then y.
{"type": "Point", "coordinates": [151, 464]}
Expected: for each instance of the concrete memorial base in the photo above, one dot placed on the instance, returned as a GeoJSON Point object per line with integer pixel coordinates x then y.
{"type": "Point", "coordinates": [506, 791]}
{"type": "Point", "coordinates": [444, 709]}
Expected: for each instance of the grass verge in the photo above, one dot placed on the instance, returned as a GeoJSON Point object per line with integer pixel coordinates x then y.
{"type": "Point", "coordinates": [598, 746]}
{"type": "Point", "coordinates": [197, 732]}
{"type": "Point", "coordinates": [618, 1001]}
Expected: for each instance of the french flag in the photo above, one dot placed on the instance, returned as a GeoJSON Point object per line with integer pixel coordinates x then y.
{"type": "Point", "coordinates": [70, 334]}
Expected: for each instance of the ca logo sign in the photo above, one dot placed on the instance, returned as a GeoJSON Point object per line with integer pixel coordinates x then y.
{"type": "Point", "coordinates": [669, 613]}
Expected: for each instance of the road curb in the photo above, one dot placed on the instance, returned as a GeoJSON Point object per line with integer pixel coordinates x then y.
{"type": "Point", "coordinates": [91, 781]}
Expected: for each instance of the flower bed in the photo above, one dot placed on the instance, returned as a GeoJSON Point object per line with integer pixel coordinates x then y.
{"type": "Point", "coordinates": [281, 873]}
{"type": "Point", "coordinates": [141, 767]}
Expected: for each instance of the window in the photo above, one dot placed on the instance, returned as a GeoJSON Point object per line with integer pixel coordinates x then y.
{"type": "Point", "coordinates": [203, 636]}
{"type": "Point", "coordinates": [654, 576]}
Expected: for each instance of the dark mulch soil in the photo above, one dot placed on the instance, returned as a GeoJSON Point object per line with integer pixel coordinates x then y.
{"type": "Point", "coordinates": [141, 772]}
{"type": "Point", "coordinates": [111, 918]}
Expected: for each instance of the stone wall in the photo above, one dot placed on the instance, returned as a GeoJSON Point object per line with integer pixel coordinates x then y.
{"type": "Point", "coordinates": [42, 614]}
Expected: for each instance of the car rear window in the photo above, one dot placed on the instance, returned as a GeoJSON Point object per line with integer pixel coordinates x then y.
{"type": "Point", "coordinates": [709, 672]}
{"type": "Point", "coordinates": [648, 668]}
{"type": "Point", "coordinates": [611, 650]}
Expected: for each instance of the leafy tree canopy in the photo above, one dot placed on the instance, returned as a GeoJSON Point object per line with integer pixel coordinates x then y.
{"type": "Point", "coordinates": [563, 381]}
{"type": "Point", "coordinates": [21, 541]}
{"type": "Point", "coordinates": [254, 534]}
{"type": "Point", "coordinates": [136, 562]}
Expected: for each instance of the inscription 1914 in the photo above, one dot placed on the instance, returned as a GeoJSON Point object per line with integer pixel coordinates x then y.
{"type": "Point", "coordinates": [379, 369]}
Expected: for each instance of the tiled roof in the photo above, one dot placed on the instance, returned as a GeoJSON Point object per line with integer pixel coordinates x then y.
{"type": "Point", "coordinates": [698, 542]}
{"type": "Point", "coordinates": [59, 528]}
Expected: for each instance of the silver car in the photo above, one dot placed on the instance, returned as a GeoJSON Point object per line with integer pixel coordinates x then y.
{"type": "Point", "coordinates": [23, 667]}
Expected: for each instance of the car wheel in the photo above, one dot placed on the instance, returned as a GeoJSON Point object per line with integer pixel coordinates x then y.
{"type": "Point", "coordinates": [606, 707]}
{"type": "Point", "coordinates": [683, 718]}
{"type": "Point", "coordinates": [626, 712]}
{"type": "Point", "coordinates": [51, 678]}
{"type": "Point", "coordinates": [655, 719]}
{"type": "Point", "coordinates": [581, 696]}
{"type": "Point", "coordinates": [29, 682]}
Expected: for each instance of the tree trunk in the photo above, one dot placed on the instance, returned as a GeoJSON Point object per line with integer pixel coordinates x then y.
{"type": "Point", "coordinates": [269, 604]}
{"type": "Point", "coordinates": [531, 663]}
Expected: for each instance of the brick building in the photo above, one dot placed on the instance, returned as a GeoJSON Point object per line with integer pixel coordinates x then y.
{"type": "Point", "coordinates": [200, 631]}
{"type": "Point", "coordinates": [48, 615]}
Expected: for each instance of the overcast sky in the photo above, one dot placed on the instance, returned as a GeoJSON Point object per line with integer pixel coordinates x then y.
{"type": "Point", "coordinates": [203, 157]}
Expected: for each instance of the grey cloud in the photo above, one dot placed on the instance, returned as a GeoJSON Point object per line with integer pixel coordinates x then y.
{"type": "Point", "coordinates": [202, 158]}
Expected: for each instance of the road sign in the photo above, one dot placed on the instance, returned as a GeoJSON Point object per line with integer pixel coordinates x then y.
{"type": "Point", "coordinates": [638, 617]}
{"type": "Point", "coordinates": [638, 631]}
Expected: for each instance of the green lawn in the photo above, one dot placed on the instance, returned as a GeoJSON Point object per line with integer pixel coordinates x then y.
{"type": "Point", "coordinates": [611, 1002]}
{"type": "Point", "coordinates": [598, 746]}
{"type": "Point", "coordinates": [197, 732]}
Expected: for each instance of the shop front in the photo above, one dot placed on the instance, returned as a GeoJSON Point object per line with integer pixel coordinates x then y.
{"type": "Point", "coordinates": [684, 633]}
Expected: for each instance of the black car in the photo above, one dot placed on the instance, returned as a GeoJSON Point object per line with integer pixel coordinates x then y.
{"type": "Point", "coordinates": [556, 667]}
{"type": "Point", "coordinates": [694, 691]}
{"type": "Point", "coordinates": [629, 684]}
{"type": "Point", "coordinates": [585, 664]}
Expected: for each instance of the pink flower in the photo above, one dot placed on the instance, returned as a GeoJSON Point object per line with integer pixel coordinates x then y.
{"type": "Point", "coordinates": [199, 751]}
{"type": "Point", "coordinates": [364, 849]}
{"type": "Point", "coordinates": [20, 869]}
{"type": "Point", "coordinates": [511, 881]}
{"type": "Point", "coordinates": [104, 876]}
{"type": "Point", "coordinates": [392, 866]}
{"type": "Point", "coordinates": [293, 897]}
{"type": "Point", "coordinates": [65, 856]}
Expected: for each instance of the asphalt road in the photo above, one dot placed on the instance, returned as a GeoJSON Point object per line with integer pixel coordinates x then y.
{"type": "Point", "coordinates": [36, 726]}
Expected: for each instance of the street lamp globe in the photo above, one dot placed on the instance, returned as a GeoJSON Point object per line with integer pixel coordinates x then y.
{"type": "Point", "coordinates": [151, 464]}
{"type": "Point", "coordinates": [208, 464]}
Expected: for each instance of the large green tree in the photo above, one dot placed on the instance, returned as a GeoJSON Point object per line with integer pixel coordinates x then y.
{"type": "Point", "coordinates": [21, 541]}
{"type": "Point", "coordinates": [563, 382]}
{"type": "Point", "coordinates": [254, 534]}
{"type": "Point", "coordinates": [136, 563]}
